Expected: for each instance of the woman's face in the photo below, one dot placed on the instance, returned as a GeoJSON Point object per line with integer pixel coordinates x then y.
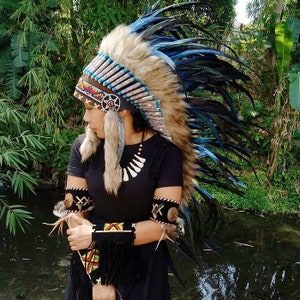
{"type": "Point", "coordinates": [94, 117]}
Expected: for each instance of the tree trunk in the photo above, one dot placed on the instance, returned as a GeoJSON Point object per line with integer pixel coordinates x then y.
{"type": "Point", "coordinates": [283, 126]}
{"type": "Point", "coordinates": [278, 10]}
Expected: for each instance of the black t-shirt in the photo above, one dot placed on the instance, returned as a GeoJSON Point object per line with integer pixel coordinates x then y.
{"type": "Point", "coordinates": [162, 168]}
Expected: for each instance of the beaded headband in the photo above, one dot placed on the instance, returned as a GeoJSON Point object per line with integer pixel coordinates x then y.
{"type": "Point", "coordinates": [92, 93]}
{"type": "Point", "coordinates": [128, 92]}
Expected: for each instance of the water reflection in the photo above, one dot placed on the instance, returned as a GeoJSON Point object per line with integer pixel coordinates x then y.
{"type": "Point", "coordinates": [260, 260]}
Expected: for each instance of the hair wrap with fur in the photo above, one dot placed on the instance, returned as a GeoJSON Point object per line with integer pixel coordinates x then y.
{"type": "Point", "coordinates": [89, 144]}
{"type": "Point", "coordinates": [113, 171]}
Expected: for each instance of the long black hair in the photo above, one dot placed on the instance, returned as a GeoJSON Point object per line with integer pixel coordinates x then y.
{"type": "Point", "coordinates": [139, 123]}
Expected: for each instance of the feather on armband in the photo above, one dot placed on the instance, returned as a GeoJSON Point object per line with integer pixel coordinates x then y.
{"type": "Point", "coordinates": [78, 200]}
{"type": "Point", "coordinates": [164, 211]}
{"type": "Point", "coordinates": [114, 232]}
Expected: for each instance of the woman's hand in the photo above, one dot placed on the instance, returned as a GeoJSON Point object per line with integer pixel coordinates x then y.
{"type": "Point", "coordinates": [75, 219]}
{"type": "Point", "coordinates": [104, 292]}
{"type": "Point", "coordinates": [79, 233]}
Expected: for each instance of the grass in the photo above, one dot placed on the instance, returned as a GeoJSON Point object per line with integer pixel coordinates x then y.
{"type": "Point", "coordinates": [260, 196]}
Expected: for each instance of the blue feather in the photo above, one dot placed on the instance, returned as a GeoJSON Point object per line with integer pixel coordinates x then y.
{"type": "Point", "coordinates": [217, 133]}
{"type": "Point", "coordinates": [203, 152]}
{"type": "Point", "coordinates": [165, 58]}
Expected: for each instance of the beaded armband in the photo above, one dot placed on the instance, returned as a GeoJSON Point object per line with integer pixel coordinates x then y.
{"type": "Point", "coordinates": [114, 232]}
{"type": "Point", "coordinates": [78, 200]}
{"type": "Point", "coordinates": [164, 211]}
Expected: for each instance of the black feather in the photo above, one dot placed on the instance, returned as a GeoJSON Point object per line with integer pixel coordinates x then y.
{"type": "Point", "coordinates": [209, 78]}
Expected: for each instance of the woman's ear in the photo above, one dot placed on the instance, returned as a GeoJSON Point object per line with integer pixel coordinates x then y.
{"type": "Point", "coordinates": [123, 112]}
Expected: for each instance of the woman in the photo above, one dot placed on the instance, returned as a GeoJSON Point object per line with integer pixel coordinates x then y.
{"type": "Point", "coordinates": [138, 162]}
{"type": "Point", "coordinates": [160, 177]}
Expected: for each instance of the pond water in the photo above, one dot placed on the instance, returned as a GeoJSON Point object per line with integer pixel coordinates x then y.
{"type": "Point", "coordinates": [260, 259]}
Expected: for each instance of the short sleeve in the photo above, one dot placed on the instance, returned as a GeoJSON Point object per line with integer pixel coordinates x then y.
{"type": "Point", "coordinates": [75, 166]}
{"type": "Point", "coordinates": [170, 173]}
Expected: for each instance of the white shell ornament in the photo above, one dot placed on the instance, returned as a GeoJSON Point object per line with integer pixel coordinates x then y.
{"type": "Point", "coordinates": [172, 214]}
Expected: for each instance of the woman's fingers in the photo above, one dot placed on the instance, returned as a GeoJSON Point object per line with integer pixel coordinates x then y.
{"type": "Point", "coordinates": [74, 220]}
{"type": "Point", "coordinates": [80, 237]}
{"type": "Point", "coordinates": [104, 292]}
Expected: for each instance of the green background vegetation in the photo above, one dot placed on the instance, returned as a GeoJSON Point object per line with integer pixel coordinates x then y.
{"type": "Point", "coordinates": [44, 44]}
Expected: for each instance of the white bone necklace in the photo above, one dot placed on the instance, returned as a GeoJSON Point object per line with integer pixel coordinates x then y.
{"type": "Point", "coordinates": [136, 164]}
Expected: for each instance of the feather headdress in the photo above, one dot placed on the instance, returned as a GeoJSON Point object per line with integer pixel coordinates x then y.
{"type": "Point", "coordinates": [161, 66]}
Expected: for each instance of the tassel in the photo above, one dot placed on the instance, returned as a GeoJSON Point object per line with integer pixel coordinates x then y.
{"type": "Point", "coordinates": [119, 263]}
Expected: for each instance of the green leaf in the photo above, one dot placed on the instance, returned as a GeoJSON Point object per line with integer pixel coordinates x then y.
{"type": "Point", "coordinates": [294, 26]}
{"type": "Point", "coordinates": [284, 45]}
{"type": "Point", "coordinates": [31, 79]}
{"type": "Point", "coordinates": [21, 179]}
{"type": "Point", "coordinates": [3, 206]}
{"type": "Point", "coordinates": [13, 81]}
{"type": "Point", "coordinates": [13, 158]}
{"type": "Point", "coordinates": [19, 49]}
{"type": "Point", "coordinates": [4, 141]}
{"type": "Point", "coordinates": [52, 3]}
{"type": "Point", "coordinates": [31, 140]}
{"type": "Point", "coordinates": [8, 218]}
{"type": "Point", "coordinates": [294, 89]}
{"type": "Point", "coordinates": [17, 217]}
{"type": "Point", "coordinates": [21, 225]}
{"type": "Point", "coordinates": [2, 212]}
{"type": "Point", "coordinates": [11, 114]}
{"type": "Point", "coordinates": [4, 57]}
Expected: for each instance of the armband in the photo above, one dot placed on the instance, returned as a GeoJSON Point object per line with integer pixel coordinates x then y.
{"type": "Point", "coordinates": [78, 200]}
{"type": "Point", "coordinates": [164, 211]}
{"type": "Point", "coordinates": [114, 232]}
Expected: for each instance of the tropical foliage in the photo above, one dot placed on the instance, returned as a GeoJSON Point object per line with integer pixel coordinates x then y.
{"type": "Point", "coordinates": [17, 217]}
{"type": "Point", "coordinates": [44, 45]}
{"type": "Point", "coordinates": [18, 148]}
{"type": "Point", "coordinates": [270, 46]}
